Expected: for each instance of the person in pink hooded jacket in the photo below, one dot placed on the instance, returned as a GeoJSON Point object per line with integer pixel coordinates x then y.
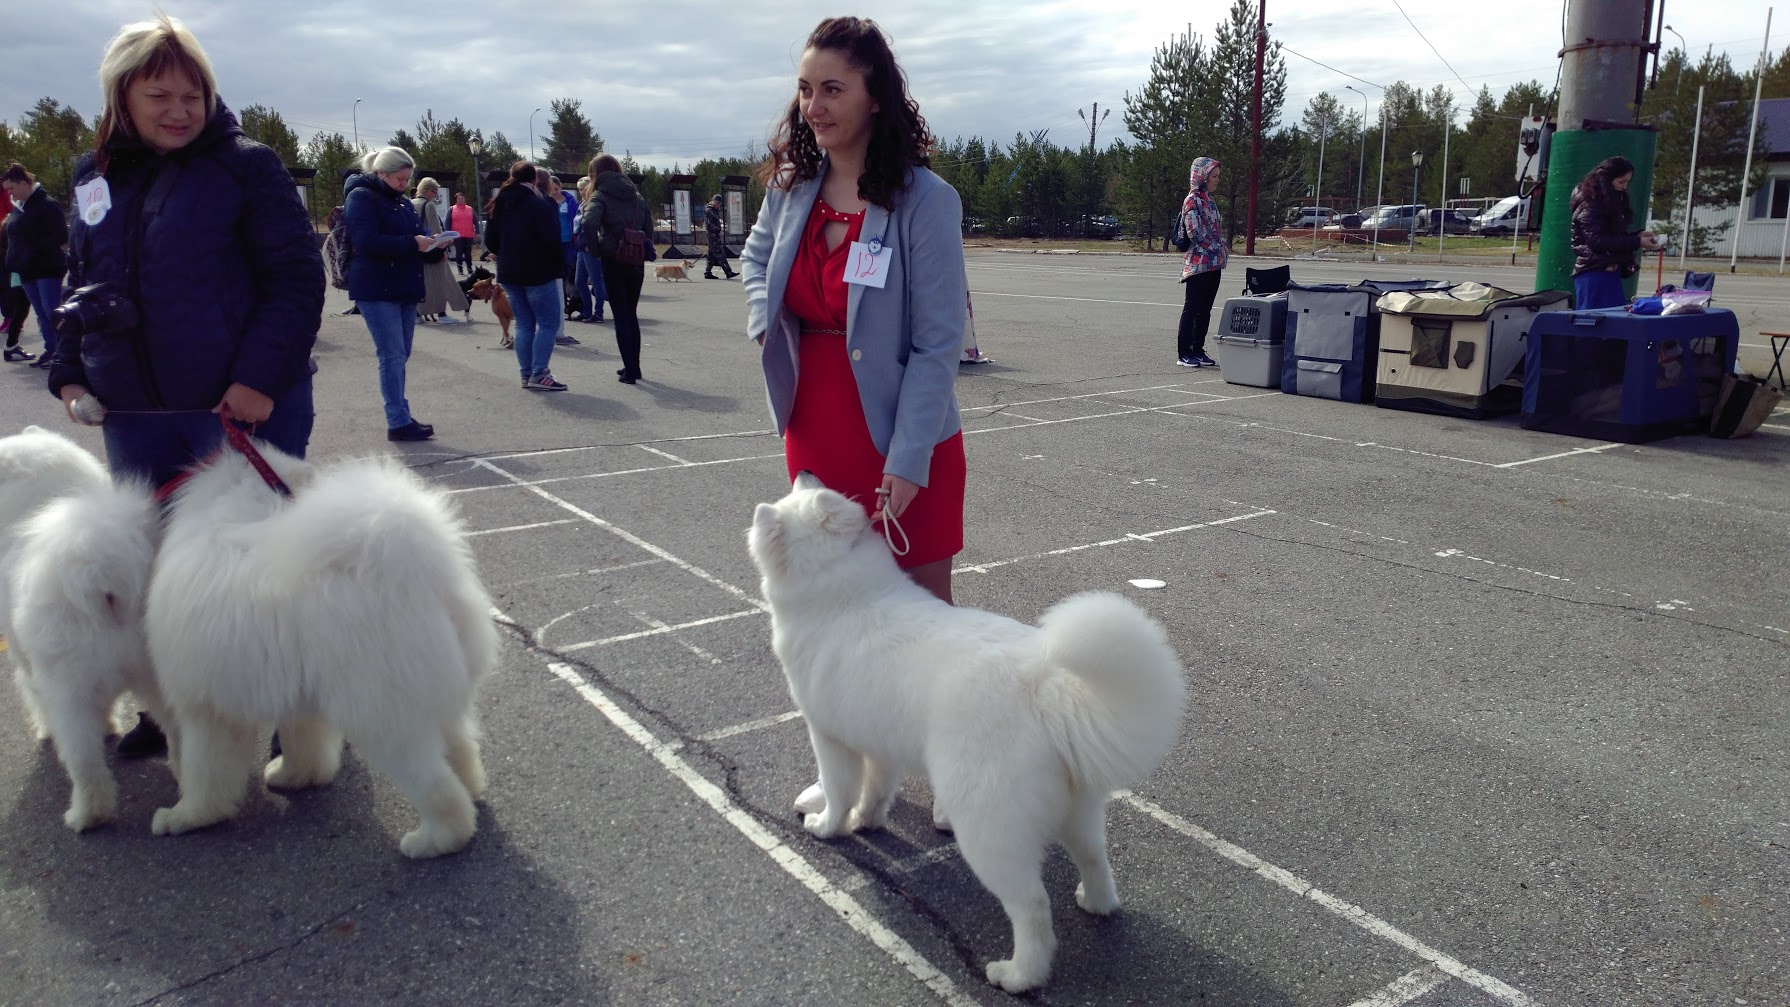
{"type": "Point", "coordinates": [1202, 263]}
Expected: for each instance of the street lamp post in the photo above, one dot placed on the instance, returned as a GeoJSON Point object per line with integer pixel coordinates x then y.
{"type": "Point", "coordinates": [475, 146]}
{"type": "Point", "coordinates": [531, 133]}
{"type": "Point", "coordinates": [1361, 160]}
{"type": "Point", "coordinates": [1687, 55]}
{"type": "Point", "coordinates": [1416, 170]}
{"type": "Point", "coordinates": [1323, 135]}
{"type": "Point", "coordinates": [355, 113]}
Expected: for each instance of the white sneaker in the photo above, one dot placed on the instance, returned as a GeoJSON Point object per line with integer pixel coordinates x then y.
{"type": "Point", "coordinates": [813, 801]}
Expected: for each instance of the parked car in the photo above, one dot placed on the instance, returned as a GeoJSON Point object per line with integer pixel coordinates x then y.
{"type": "Point", "coordinates": [1503, 217]}
{"type": "Point", "coordinates": [973, 225]}
{"type": "Point", "coordinates": [1102, 227]}
{"type": "Point", "coordinates": [1438, 221]}
{"type": "Point", "coordinates": [1347, 221]}
{"type": "Point", "coordinates": [1025, 227]}
{"type": "Point", "coordinates": [1398, 218]}
{"type": "Point", "coordinates": [1309, 216]}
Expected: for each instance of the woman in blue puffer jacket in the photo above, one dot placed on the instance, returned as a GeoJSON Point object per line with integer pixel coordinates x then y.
{"type": "Point", "coordinates": [197, 286]}
{"type": "Point", "coordinates": [385, 275]}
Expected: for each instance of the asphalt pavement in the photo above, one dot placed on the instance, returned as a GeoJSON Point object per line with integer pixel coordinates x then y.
{"type": "Point", "coordinates": [1478, 715]}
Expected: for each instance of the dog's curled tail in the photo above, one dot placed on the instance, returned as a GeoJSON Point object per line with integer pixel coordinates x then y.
{"type": "Point", "coordinates": [93, 549]}
{"type": "Point", "coordinates": [1119, 706]}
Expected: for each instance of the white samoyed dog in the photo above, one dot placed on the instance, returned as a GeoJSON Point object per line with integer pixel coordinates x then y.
{"type": "Point", "coordinates": [352, 609]}
{"type": "Point", "coordinates": [76, 574]}
{"type": "Point", "coordinates": [1024, 732]}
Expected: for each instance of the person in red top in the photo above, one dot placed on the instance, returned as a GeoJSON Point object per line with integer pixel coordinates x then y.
{"type": "Point", "coordinates": [462, 221]}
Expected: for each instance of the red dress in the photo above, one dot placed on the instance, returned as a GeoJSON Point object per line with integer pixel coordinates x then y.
{"type": "Point", "coordinates": [827, 433]}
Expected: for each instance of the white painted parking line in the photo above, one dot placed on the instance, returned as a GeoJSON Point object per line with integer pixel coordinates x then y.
{"type": "Point", "coordinates": [1059, 297]}
{"type": "Point", "coordinates": [658, 631]}
{"type": "Point", "coordinates": [1127, 537]}
{"type": "Point", "coordinates": [664, 454]}
{"type": "Point", "coordinates": [1405, 988]}
{"type": "Point", "coordinates": [665, 628]}
{"type": "Point", "coordinates": [794, 864]}
{"type": "Point", "coordinates": [1344, 910]}
{"type": "Point", "coordinates": [1175, 386]}
{"type": "Point", "coordinates": [543, 452]}
{"type": "Point", "coordinates": [521, 527]}
{"type": "Point", "coordinates": [751, 725]}
{"type": "Point", "coordinates": [629, 537]}
{"type": "Point", "coordinates": [936, 855]}
{"type": "Point", "coordinates": [517, 482]}
{"type": "Point", "coordinates": [1562, 454]}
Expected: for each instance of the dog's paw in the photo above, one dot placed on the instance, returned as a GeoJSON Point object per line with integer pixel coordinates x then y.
{"type": "Point", "coordinates": [824, 825]}
{"type": "Point", "coordinates": [1100, 903]}
{"type": "Point", "coordinates": [283, 775]}
{"type": "Point", "coordinates": [181, 818]}
{"type": "Point", "coordinates": [88, 810]}
{"type": "Point", "coordinates": [940, 820]}
{"type": "Point", "coordinates": [1007, 976]}
{"type": "Point", "coordinates": [425, 843]}
{"type": "Point", "coordinates": [866, 819]}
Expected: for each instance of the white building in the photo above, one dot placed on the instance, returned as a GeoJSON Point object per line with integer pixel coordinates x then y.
{"type": "Point", "coordinates": [1761, 233]}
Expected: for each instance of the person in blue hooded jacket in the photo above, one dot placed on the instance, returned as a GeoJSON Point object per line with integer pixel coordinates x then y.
{"type": "Point", "coordinates": [197, 282]}
{"type": "Point", "coordinates": [197, 286]}
{"type": "Point", "coordinates": [385, 275]}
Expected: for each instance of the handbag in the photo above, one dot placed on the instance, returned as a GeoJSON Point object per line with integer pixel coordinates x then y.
{"type": "Point", "coordinates": [631, 251]}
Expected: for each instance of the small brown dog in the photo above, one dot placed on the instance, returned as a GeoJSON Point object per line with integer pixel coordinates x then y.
{"type": "Point", "coordinates": [673, 270]}
{"type": "Point", "coordinates": [492, 294]}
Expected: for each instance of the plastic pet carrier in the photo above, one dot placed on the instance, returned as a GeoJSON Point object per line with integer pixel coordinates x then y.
{"type": "Point", "coordinates": [1457, 351]}
{"type": "Point", "coordinates": [1617, 376]}
{"type": "Point", "coordinates": [1333, 337]}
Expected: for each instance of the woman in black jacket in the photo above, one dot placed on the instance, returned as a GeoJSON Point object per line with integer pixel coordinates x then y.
{"type": "Point", "coordinates": [523, 230]}
{"type": "Point", "coordinates": [36, 235]}
{"type": "Point", "coordinates": [385, 275]}
{"type": "Point", "coordinates": [198, 283]}
{"type": "Point", "coordinates": [614, 208]}
{"type": "Point", "coordinates": [1602, 244]}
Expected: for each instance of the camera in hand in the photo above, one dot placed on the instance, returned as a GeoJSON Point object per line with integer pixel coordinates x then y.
{"type": "Point", "coordinates": [97, 307]}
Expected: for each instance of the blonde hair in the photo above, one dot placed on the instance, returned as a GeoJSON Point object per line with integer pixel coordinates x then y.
{"type": "Point", "coordinates": [386, 160]}
{"type": "Point", "coordinates": [148, 49]}
{"type": "Point", "coordinates": [427, 185]}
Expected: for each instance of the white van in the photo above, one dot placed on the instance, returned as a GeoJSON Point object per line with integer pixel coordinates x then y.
{"type": "Point", "coordinates": [1503, 217]}
{"type": "Point", "coordinates": [1309, 216]}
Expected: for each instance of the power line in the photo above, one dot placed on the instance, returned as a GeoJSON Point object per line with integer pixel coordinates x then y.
{"type": "Point", "coordinates": [1432, 45]}
{"type": "Point", "coordinates": [1284, 48]}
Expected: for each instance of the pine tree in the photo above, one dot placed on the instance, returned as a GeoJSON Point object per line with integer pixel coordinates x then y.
{"type": "Point", "coordinates": [1224, 102]}
{"type": "Point", "coordinates": [333, 156]}
{"type": "Point", "coordinates": [571, 140]}
{"type": "Point", "coordinates": [1162, 118]}
{"type": "Point", "coordinates": [264, 125]}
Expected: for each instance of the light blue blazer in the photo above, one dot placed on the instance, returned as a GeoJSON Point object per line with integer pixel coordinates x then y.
{"type": "Point", "coordinates": [904, 338]}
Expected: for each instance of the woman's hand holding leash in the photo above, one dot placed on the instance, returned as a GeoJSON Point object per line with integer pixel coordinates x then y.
{"type": "Point", "coordinates": [892, 499]}
{"type": "Point", "coordinates": [240, 402]}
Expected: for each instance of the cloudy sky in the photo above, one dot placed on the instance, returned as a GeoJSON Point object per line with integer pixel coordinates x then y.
{"type": "Point", "coordinates": [679, 82]}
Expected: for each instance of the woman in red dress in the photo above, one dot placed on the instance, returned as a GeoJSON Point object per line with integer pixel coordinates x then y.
{"type": "Point", "coordinates": [862, 377]}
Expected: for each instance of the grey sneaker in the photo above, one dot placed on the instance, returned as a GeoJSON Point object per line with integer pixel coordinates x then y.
{"type": "Point", "coordinates": [544, 382]}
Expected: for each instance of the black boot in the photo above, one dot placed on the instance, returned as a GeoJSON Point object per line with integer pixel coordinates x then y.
{"type": "Point", "coordinates": [144, 740]}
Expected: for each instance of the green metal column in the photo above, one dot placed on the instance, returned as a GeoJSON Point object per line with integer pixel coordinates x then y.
{"type": "Point", "coordinates": [1570, 158]}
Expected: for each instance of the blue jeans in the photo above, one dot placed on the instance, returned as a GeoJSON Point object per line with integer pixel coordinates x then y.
{"type": "Point", "coordinates": [44, 296]}
{"type": "Point", "coordinates": [540, 317]}
{"type": "Point", "coordinates": [392, 325]}
{"type": "Point", "coordinates": [1602, 289]}
{"type": "Point", "coordinates": [159, 446]}
{"type": "Point", "coordinates": [590, 284]}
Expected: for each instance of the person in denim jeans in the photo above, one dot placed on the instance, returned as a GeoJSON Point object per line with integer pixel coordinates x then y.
{"type": "Point", "coordinates": [588, 280]}
{"type": "Point", "coordinates": [522, 229]}
{"type": "Point", "coordinates": [385, 275]}
{"type": "Point", "coordinates": [36, 233]}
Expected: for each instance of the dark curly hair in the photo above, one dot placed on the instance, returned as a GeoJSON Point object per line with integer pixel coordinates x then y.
{"type": "Point", "coordinates": [1596, 187]}
{"type": "Point", "coordinates": [899, 139]}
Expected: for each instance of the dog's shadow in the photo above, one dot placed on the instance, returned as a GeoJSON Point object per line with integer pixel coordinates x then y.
{"type": "Point", "coordinates": [1137, 951]}
{"type": "Point", "coordinates": [304, 892]}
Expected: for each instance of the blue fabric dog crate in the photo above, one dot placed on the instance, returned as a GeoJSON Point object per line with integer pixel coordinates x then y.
{"type": "Point", "coordinates": [1333, 337]}
{"type": "Point", "coordinates": [1616, 376]}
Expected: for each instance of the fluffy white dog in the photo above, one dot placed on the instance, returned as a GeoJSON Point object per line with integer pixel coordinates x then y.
{"type": "Point", "coordinates": [352, 609]}
{"type": "Point", "coordinates": [71, 604]}
{"type": "Point", "coordinates": [1024, 731]}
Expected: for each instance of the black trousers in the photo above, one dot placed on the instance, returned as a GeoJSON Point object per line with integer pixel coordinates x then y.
{"type": "Point", "coordinates": [463, 254]}
{"type": "Point", "coordinates": [718, 257]}
{"type": "Point", "coordinates": [1196, 312]}
{"type": "Point", "coordinates": [622, 283]}
{"type": "Point", "coordinates": [15, 307]}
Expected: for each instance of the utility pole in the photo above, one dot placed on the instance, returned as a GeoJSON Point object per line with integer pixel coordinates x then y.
{"type": "Point", "coordinates": [1255, 118]}
{"type": "Point", "coordinates": [1093, 122]}
{"type": "Point", "coordinates": [1600, 81]}
{"type": "Point", "coordinates": [1093, 176]}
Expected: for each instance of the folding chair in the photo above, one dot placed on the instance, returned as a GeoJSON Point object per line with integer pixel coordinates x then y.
{"type": "Point", "coordinates": [1699, 281]}
{"type": "Point", "coordinates": [1262, 282]}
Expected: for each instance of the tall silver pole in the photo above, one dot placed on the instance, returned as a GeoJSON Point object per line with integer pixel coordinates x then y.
{"type": "Point", "coordinates": [1323, 135]}
{"type": "Point", "coordinates": [1380, 194]}
{"type": "Point", "coordinates": [1752, 133]}
{"type": "Point", "coordinates": [1442, 231]}
{"type": "Point", "coordinates": [1361, 159]}
{"type": "Point", "coordinates": [1690, 187]}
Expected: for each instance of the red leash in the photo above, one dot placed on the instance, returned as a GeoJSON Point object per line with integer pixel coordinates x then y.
{"type": "Point", "coordinates": [239, 440]}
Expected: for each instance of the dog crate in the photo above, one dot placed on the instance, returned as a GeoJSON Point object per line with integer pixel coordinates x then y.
{"type": "Point", "coordinates": [1247, 361]}
{"type": "Point", "coordinates": [1621, 377]}
{"type": "Point", "coordinates": [1333, 337]}
{"type": "Point", "coordinates": [1253, 316]}
{"type": "Point", "coordinates": [1457, 351]}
